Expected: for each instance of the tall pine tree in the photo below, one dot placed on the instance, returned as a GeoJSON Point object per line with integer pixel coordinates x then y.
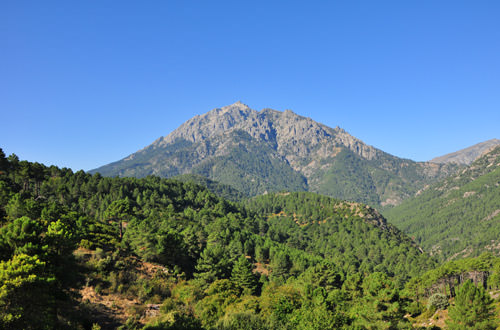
{"type": "Point", "coordinates": [473, 309]}
{"type": "Point", "coordinates": [242, 275]}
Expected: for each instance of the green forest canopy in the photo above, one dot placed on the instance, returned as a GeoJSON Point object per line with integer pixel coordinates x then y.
{"type": "Point", "coordinates": [280, 261]}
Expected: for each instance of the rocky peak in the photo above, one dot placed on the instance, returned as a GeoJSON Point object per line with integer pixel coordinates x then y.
{"type": "Point", "coordinates": [468, 155]}
{"type": "Point", "coordinates": [290, 150]}
{"type": "Point", "coordinates": [288, 132]}
{"type": "Point", "coordinates": [236, 107]}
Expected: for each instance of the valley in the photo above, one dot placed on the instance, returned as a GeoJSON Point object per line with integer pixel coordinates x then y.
{"type": "Point", "coordinates": [252, 220]}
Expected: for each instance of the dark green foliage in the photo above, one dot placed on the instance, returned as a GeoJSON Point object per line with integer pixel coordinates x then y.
{"type": "Point", "coordinates": [4, 162]}
{"type": "Point", "coordinates": [281, 261]}
{"type": "Point", "coordinates": [213, 264]}
{"type": "Point", "coordinates": [225, 191]}
{"type": "Point", "coordinates": [323, 275]}
{"type": "Point", "coordinates": [118, 211]}
{"type": "Point", "coordinates": [381, 306]}
{"type": "Point", "coordinates": [472, 309]}
{"type": "Point", "coordinates": [352, 236]}
{"type": "Point", "coordinates": [380, 181]}
{"type": "Point", "coordinates": [350, 178]}
{"type": "Point", "coordinates": [22, 235]}
{"type": "Point", "coordinates": [445, 279]}
{"type": "Point", "coordinates": [243, 276]}
{"type": "Point", "coordinates": [459, 216]}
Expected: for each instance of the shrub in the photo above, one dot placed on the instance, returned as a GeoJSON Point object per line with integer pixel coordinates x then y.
{"type": "Point", "coordinates": [438, 301]}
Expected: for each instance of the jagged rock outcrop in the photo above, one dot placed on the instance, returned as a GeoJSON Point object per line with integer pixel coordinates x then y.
{"type": "Point", "coordinates": [269, 150]}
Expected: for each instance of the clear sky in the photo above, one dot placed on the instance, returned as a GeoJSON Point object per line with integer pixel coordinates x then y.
{"type": "Point", "coordinates": [85, 83]}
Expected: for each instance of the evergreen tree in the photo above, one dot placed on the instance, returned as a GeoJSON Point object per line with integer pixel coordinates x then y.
{"type": "Point", "coordinates": [117, 212]}
{"type": "Point", "coordinates": [25, 298]}
{"type": "Point", "coordinates": [473, 309]}
{"type": "Point", "coordinates": [4, 163]}
{"type": "Point", "coordinates": [243, 276]}
{"type": "Point", "coordinates": [212, 264]}
{"type": "Point", "coordinates": [380, 307]}
{"type": "Point", "coordinates": [280, 265]}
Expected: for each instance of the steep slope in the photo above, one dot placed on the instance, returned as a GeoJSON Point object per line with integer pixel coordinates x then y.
{"type": "Point", "coordinates": [468, 155]}
{"type": "Point", "coordinates": [266, 151]}
{"type": "Point", "coordinates": [459, 216]}
{"type": "Point", "coordinates": [353, 236]}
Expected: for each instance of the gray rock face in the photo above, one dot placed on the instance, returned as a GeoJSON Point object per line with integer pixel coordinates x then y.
{"type": "Point", "coordinates": [468, 155]}
{"type": "Point", "coordinates": [269, 150]}
{"type": "Point", "coordinates": [291, 134]}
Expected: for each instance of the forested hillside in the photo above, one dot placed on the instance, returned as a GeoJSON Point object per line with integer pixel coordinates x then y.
{"type": "Point", "coordinates": [459, 216]}
{"type": "Point", "coordinates": [223, 190]}
{"type": "Point", "coordinates": [81, 251]}
{"type": "Point", "coordinates": [353, 236]}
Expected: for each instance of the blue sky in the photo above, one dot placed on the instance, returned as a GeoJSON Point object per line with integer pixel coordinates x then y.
{"type": "Point", "coordinates": [85, 83]}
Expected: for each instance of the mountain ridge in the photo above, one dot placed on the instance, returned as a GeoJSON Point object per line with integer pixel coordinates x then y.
{"type": "Point", "coordinates": [467, 155]}
{"type": "Point", "coordinates": [458, 216]}
{"type": "Point", "coordinates": [270, 150]}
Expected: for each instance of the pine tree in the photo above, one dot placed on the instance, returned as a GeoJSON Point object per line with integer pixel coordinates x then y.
{"type": "Point", "coordinates": [25, 294]}
{"type": "Point", "coordinates": [473, 309]}
{"type": "Point", "coordinates": [380, 307]}
{"type": "Point", "coordinates": [213, 264]}
{"type": "Point", "coordinates": [4, 163]}
{"type": "Point", "coordinates": [243, 276]}
{"type": "Point", "coordinates": [280, 265]}
{"type": "Point", "coordinates": [117, 212]}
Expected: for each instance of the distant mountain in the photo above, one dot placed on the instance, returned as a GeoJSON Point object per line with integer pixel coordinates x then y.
{"type": "Point", "coordinates": [266, 151]}
{"type": "Point", "coordinates": [459, 216]}
{"type": "Point", "coordinates": [468, 155]}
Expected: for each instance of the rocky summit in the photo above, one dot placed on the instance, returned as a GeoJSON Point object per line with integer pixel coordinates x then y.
{"type": "Point", "coordinates": [468, 155]}
{"type": "Point", "coordinates": [263, 151]}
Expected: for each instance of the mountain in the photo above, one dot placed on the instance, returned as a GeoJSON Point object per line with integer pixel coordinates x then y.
{"type": "Point", "coordinates": [459, 216]}
{"type": "Point", "coordinates": [258, 152]}
{"type": "Point", "coordinates": [468, 155]}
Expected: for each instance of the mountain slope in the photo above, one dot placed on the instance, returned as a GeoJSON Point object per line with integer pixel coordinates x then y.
{"type": "Point", "coordinates": [222, 190]}
{"type": "Point", "coordinates": [468, 155]}
{"type": "Point", "coordinates": [459, 216]}
{"type": "Point", "coordinates": [353, 236]}
{"type": "Point", "coordinates": [266, 151]}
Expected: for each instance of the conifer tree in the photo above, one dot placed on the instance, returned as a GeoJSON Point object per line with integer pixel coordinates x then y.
{"type": "Point", "coordinates": [25, 294]}
{"type": "Point", "coordinates": [243, 276]}
{"type": "Point", "coordinates": [117, 212]}
{"type": "Point", "coordinates": [473, 309]}
{"type": "Point", "coordinates": [4, 163]}
{"type": "Point", "coordinates": [212, 264]}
